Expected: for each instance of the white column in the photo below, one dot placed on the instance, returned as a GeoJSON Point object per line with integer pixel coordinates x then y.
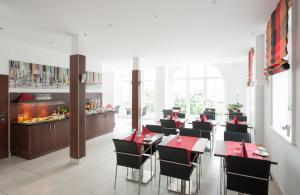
{"type": "Point", "coordinates": [160, 90]}
{"type": "Point", "coordinates": [77, 46]}
{"type": "Point", "coordinates": [258, 70]}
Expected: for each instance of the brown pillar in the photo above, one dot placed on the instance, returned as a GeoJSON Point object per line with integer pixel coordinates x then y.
{"type": "Point", "coordinates": [136, 100]}
{"type": "Point", "coordinates": [77, 107]}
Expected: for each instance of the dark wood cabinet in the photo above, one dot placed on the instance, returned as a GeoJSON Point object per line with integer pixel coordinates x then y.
{"type": "Point", "coordinates": [110, 121]}
{"type": "Point", "coordinates": [99, 124]}
{"type": "Point", "coordinates": [31, 141]}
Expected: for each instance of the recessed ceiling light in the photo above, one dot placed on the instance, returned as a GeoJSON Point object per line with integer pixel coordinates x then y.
{"type": "Point", "coordinates": [85, 34]}
{"type": "Point", "coordinates": [50, 42]}
{"type": "Point", "coordinates": [214, 1]}
{"type": "Point", "coordinates": [155, 16]}
{"type": "Point", "coordinates": [110, 25]}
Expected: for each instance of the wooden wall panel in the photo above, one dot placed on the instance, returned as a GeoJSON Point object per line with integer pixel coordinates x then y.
{"type": "Point", "coordinates": [4, 116]}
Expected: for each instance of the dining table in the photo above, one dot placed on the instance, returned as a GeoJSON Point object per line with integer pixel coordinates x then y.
{"type": "Point", "coordinates": [145, 147]}
{"type": "Point", "coordinates": [250, 125]}
{"type": "Point", "coordinates": [192, 145]}
{"type": "Point", "coordinates": [229, 148]}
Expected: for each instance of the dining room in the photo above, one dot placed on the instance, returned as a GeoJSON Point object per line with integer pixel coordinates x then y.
{"type": "Point", "coordinates": [149, 97]}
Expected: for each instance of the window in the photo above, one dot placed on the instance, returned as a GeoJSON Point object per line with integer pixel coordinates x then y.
{"type": "Point", "coordinates": [148, 93]}
{"type": "Point", "coordinates": [197, 87]}
{"type": "Point", "coordinates": [282, 95]}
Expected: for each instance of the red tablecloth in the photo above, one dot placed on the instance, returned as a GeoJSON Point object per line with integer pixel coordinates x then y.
{"type": "Point", "coordinates": [178, 123]}
{"type": "Point", "coordinates": [185, 143]}
{"type": "Point", "coordinates": [139, 140]}
{"type": "Point", "coordinates": [235, 149]}
{"type": "Point", "coordinates": [239, 122]}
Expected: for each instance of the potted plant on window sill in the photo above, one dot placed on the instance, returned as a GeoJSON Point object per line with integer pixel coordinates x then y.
{"type": "Point", "coordinates": [236, 107]}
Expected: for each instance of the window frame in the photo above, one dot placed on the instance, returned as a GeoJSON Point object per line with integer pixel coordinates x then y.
{"type": "Point", "coordinates": [292, 51]}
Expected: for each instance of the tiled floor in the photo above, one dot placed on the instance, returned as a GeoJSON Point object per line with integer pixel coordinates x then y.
{"type": "Point", "coordinates": [53, 174]}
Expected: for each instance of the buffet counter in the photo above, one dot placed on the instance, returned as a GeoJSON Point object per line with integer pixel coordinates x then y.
{"type": "Point", "coordinates": [33, 139]}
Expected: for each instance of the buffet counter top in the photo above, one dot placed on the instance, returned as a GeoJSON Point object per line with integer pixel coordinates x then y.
{"type": "Point", "coordinates": [39, 122]}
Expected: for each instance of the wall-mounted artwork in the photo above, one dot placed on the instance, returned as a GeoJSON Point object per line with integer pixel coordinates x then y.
{"type": "Point", "coordinates": [23, 75]}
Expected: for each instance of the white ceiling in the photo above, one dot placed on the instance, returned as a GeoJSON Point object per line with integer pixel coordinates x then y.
{"type": "Point", "coordinates": [158, 31]}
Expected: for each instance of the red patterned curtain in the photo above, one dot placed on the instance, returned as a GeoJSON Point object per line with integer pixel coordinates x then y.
{"type": "Point", "coordinates": [277, 39]}
{"type": "Point", "coordinates": [250, 66]}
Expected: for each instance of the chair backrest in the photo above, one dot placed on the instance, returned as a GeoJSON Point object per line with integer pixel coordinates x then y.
{"type": "Point", "coordinates": [128, 111]}
{"type": "Point", "coordinates": [232, 114]}
{"type": "Point", "coordinates": [167, 112]}
{"type": "Point", "coordinates": [167, 123]}
{"type": "Point", "coordinates": [205, 128]}
{"type": "Point", "coordinates": [210, 115]}
{"type": "Point", "coordinates": [127, 153]}
{"type": "Point", "coordinates": [241, 128]}
{"type": "Point", "coordinates": [174, 162]}
{"type": "Point", "coordinates": [181, 115]}
{"type": "Point", "coordinates": [169, 131]}
{"type": "Point", "coordinates": [190, 132]}
{"type": "Point", "coordinates": [248, 167]}
{"type": "Point", "coordinates": [242, 118]}
{"type": "Point", "coordinates": [210, 109]}
{"type": "Point", "coordinates": [117, 108]}
{"type": "Point", "coordinates": [155, 128]}
{"type": "Point", "coordinates": [144, 111]}
{"type": "Point", "coordinates": [237, 137]}
{"type": "Point", "coordinates": [176, 108]}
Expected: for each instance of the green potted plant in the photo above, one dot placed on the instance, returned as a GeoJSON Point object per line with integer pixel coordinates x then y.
{"type": "Point", "coordinates": [236, 107]}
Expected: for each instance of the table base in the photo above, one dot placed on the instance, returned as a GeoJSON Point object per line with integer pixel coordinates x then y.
{"type": "Point", "coordinates": [182, 187]}
{"type": "Point", "coordinates": [134, 176]}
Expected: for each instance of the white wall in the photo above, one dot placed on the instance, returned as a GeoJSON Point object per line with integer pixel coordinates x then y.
{"type": "Point", "coordinates": [234, 78]}
{"type": "Point", "coordinates": [287, 172]}
{"type": "Point", "coordinates": [11, 50]}
{"type": "Point", "coordinates": [108, 89]}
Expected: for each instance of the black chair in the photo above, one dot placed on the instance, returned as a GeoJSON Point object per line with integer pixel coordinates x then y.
{"type": "Point", "coordinates": [169, 131]}
{"type": "Point", "coordinates": [128, 156]}
{"type": "Point", "coordinates": [237, 137]}
{"type": "Point", "coordinates": [206, 131]}
{"type": "Point", "coordinates": [210, 115]}
{"type": "Point", "coordinates": [241, 128]}
{"type": "Point", "coordinates": [144, 111]}
{"type": "Point", "coordinates": [210, 109]}
{"type": "Point", "coordinates": [176, 108]}
{"type": "Point", "coordinates": [167, 123]}
{"type": "Point", "coordinates": [181, 115]}
{"type": "Point", "coordinates": [174, 162]}
{"type": "Point", "coordinates": [167, 113]}
{"type": "Point", "coordinates": [242, 118]}
{"type": "Point", "coordinates": [117, 109]}
{"type": "Point", "coordinates": [247, 175]}
{"type": "Point", "coordinates": [232, 114]}
{"type": "Point", "coordinates": [155, 128]}
{"type": "Point", "coordinates": [190, 132]}
{"type": "Point", "coordinates": [128, 111]}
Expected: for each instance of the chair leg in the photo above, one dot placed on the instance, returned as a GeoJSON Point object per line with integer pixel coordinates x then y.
{"type": "Point", "coordinates": [140, 179]}
{"type": "Point", "coordinates": [151, 164]}
{"type": "Point", "coordinates": [155, 163]}
{"type": "Point", "coordinates": [116, 176]}
{"type": "Point", "coordinates": [127, 173]}
{"type": "Point", "coordinates": [159, 183]}
{"type": "Point", "coordinates": [189, 186]}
